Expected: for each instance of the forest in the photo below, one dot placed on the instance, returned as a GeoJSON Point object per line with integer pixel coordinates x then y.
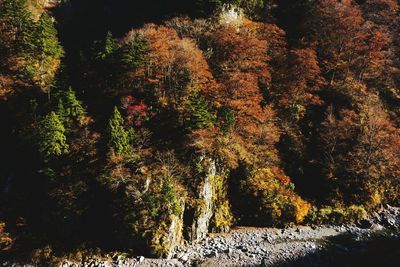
{"type": "Point", "coordinates": [135, 127]}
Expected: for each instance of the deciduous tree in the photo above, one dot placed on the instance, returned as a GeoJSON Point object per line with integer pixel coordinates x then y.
{"type": "Point", "coordinates": [335, 30]}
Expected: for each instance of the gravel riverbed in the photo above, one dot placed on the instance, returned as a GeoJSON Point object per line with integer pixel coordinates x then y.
{"type": "Point", "coordinates": [375, 240]}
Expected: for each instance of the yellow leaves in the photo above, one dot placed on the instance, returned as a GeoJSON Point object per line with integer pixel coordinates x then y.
{"type": "Point", "coordinates": [273, 190]}
{"type": "Point", "coordinates": [376, 199]}
{"type": "Point", "coordinates": [6, 241]}
{"type": "Point", "coordinates": [302, 208]}
{"type": "Point", "coordinates": [159, 242]}
{"type": "Point", "coordinates": [223, 217]}
{"type": "Point", "coordinates": [338, 214]}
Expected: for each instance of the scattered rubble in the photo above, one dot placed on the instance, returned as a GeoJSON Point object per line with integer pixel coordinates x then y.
{"type": "Point", "coordinates": [245, 246]}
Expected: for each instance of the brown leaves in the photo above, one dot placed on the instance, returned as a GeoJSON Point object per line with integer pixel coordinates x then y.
{"type": "Point", "coordinates": [382, 12]}
{"type": "Point", "coordinates": [240, 62]}
{"type": "Point", "coordinates": [177, 66]}
{"type": "Point", "coordinates": [361, 150]}
{"type": "Point", "coordinates": [336, 29]}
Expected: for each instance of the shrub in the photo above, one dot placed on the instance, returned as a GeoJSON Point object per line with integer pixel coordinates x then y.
{"type": "Point", "coordinates": [355, 213]}
{"type": "Point", "coordinates": [335, 215]}
{"type": "Point", "coordinates": [275, 200]}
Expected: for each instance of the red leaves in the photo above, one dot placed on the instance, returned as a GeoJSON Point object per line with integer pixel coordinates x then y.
{"type": "Point", "coordinates": [137, 111]}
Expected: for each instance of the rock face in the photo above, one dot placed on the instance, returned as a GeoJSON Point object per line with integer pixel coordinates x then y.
{"type": "Point", "coordinates": [37, 7]}
{"type": "Point", "coordinates": [213, 212]}
{"type": "Point", "coordinates": [49, 3]}
{"type": "Point", "coordinates": [169, 235]}
{"type": "Point", "coordinates": [205, 209]}
{"type": "Point", "coordinates": [388, 217]}
{"type": "Point", "coordinates": [174, 234]}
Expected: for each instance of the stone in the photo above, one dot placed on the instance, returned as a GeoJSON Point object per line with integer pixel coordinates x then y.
{"type": "Point", "coordinates": [377, 227]}
{"type": "Point", "coordinates": [264, 262]}
{"type": "Point", "coordinates": [201, 223]}
{"type": "Point", "coordinates": [184, 258]}
{"type": "Point", "coordinates": [141, 259]}
{"type": "Point", "coordinates": [212, 254]}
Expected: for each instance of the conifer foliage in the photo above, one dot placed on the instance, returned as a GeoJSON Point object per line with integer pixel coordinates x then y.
{"type": "Point", "coordinates": [118, 136]}
{"type": "Point", "coordinates": [69, 107]}
{"type": "Point", "coordinates": [244, 115]}
{"type": "Point", "coordinates": [52, 141]}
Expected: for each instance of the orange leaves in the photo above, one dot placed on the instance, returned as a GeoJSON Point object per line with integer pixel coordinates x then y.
{"type": "Point", "coordinates": [360, 150]}
{"type": "Point", "coordinates": [177, 66]}
{"type": "Point", "coordinates": [373, 62]}
{"type": "Point", "coordinates": [297, 79]}
{"type": "Point", "coordinates": [303, 64]}
{"type": "Point", "coordinates": [178, 69]}
{"type": "Point", "coordinates": [336, 28]}
{"type": "Point", "coordinates": [302, 78]}
{"type": "Point", "coordinates": [347, 45]}
{"type": "Point", "coordinates": [240, 62]}
{"type": "Point", "coordinates": [240, 51]}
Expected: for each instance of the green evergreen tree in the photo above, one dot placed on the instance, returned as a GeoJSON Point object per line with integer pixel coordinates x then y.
{"type": "Point", "coordinates": [134, 53]}
{"type": "Point", "coordinates": [16, 33]}
{"type": "Point", "coordinates": [41, 66]}
{"type": "Point", "coordinates": [61, 111]}
{"type": "Point", "coordinates": [47, 44]}
{"type": "Point", "coordinates": [35, 45]}
{"type": "Point", "coordinates": [201, 117]}
{"type": "Point", "coordinates": [227, 119]}
{"type": "Point", "coordinates": [52, 141]}
{"type": "Point", "coordinates": [107, 48]}
{"type": "Point", "coordinates": [119, 138]}
{"type": "Point", "coordinates": [69, 107]}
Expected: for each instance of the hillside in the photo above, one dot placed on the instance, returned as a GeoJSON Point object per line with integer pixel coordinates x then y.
{"type": "Point", "coordinates": [139, 128]}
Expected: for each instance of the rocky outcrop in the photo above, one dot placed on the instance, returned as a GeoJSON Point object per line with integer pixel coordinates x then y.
{"type": "Point", "coordinates": [169, 235]}
{"type": "Point", "coordinates": [175, 232]}
{"type": "Point", "coordinates": [205, 206]}
{"type": "Point", "coordinates": [213, 211]}
{"type": "Point", "coordinates": [46, 3]}
{"type": "Point", "coordinates": [387, 217]}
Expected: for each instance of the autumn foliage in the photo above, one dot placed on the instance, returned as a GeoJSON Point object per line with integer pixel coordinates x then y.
{"type": "Point", "coordinates": [245, 117]}
{"type": "Point", "coordinates": [273, 198]}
